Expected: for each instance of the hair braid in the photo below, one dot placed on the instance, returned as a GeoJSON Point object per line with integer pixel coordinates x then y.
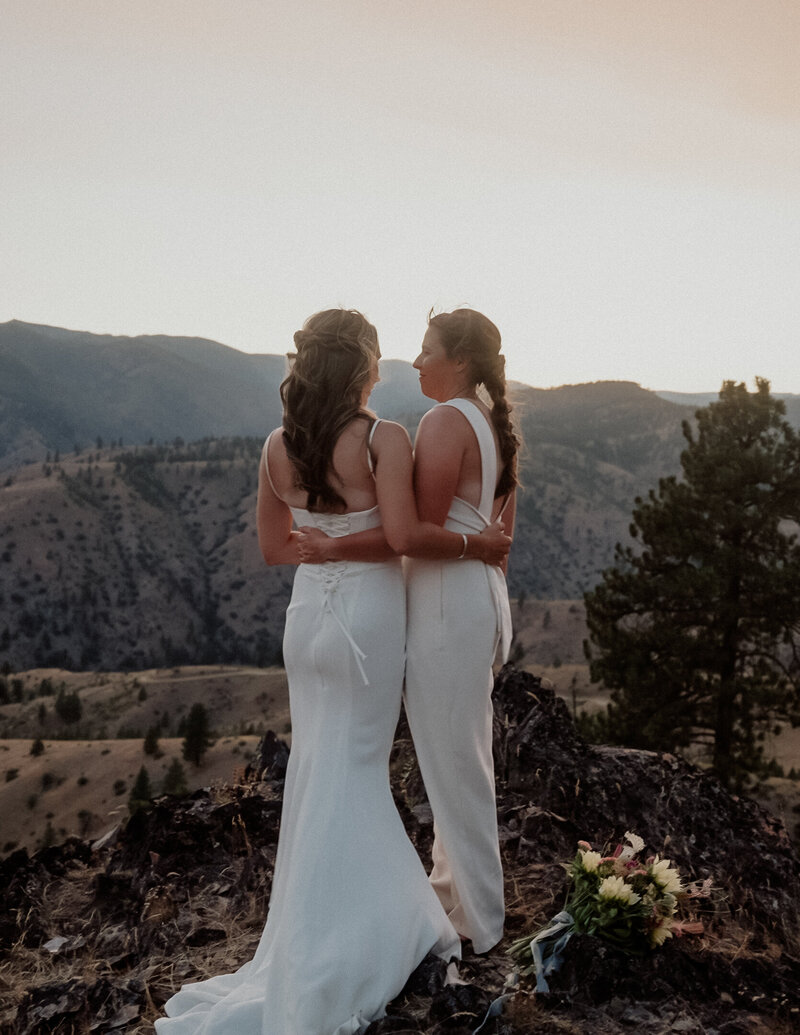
{"type": "Point", "coordinates": [508, 439]}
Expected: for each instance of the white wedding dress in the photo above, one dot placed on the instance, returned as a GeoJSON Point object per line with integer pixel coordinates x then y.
{"type": "Point", "coordinates": [351, 912]}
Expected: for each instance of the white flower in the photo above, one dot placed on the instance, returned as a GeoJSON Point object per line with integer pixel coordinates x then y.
{"type": "Point", "coordinates": [616, 888]}
{"type": "Point", "coordinates": [636, 845]}
{"type": "Point", "coordinates": [668, 879]}
{"type": "Point", "coordinates": [590, 860]}
{"type": "Point", "coordinates": [660, 934]}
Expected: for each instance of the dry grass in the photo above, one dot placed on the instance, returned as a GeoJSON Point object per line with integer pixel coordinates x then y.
{"type": "Point", "coordinates": [65, 907]}
{"type": "Point", "coordinates": [83, 799]}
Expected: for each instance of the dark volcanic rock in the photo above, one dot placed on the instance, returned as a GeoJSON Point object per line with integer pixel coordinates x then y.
{"type": "Point", "coordinates": [78, 1005]}
{"type": "Point", "coordinates": [567, 790]}
{"type": "Point", "coordinates": [270, 759]}
{"type": "Point", "coordinates": [183, 887]}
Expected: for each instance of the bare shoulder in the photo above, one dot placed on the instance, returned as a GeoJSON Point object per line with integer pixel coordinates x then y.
{"type": "Point", "coordinates": [446, 421]}
{"type": "Point", "coordinates": [390, 433]}
{"type": "Point", "coordinates": [273, 445]}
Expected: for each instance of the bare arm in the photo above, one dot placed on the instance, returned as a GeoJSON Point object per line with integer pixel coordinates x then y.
{"type": "Point", "coordinates": [394, 476]}
{"type": "Point", "coordinates": [316, 547]}
{"type": "Point", "coordinates": [438, 454]}
{"type": "Point", "coordinates": [276, 539]}
{"type": "Point", "coordinates": [402, 531]}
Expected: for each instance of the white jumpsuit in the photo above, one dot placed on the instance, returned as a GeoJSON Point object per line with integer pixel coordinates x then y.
{"type": "Point", "coordinates": [458, 613]}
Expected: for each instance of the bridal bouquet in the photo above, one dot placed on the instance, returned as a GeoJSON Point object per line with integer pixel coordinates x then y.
{"type": "Point", "coordinates": [618, 897]}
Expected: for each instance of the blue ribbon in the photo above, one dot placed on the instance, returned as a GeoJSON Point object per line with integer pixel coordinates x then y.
{"type": "Point", "coordinates": [547, 950]}
{"type": "Point", "coordinates": [548, 946]}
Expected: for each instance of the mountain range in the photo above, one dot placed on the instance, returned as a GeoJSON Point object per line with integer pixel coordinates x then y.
{"type": "Point", "coordinates": [127, 494]}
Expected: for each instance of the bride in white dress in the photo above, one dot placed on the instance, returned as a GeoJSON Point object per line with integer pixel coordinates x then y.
{"type": "Point", "coordinates": [351, 910]}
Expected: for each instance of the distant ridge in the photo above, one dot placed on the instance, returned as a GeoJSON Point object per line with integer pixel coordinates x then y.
{"type": "Point", "coordinates": [135, 555]}
{"type": "Point", "coordinates": [63, 388]}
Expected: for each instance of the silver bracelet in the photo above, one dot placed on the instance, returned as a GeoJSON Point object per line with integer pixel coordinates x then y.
{"type": "Point", "coordinates": [463, 549]}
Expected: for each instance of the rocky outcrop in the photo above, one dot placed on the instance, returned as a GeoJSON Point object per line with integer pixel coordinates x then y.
{"type": "Point", "coordinates": [95, 937]}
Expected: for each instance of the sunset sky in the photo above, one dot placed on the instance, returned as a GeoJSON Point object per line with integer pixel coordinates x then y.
{"type": "Point", "coordinates": [616, 183]}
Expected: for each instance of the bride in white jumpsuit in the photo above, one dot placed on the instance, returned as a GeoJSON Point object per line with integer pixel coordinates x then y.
{"type": "Point", "coordinates": [458, 614]}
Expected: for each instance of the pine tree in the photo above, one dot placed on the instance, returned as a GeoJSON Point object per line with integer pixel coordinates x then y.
{"type": "Point", "coordinates": [198, 735]}
{"type": "Point", "coordinates": [696, 628]}
{"type": "Point", "coordinates": [141, 793]}
{"type": "Point", "coordinates": [150, 746]}
{"type": "Point", "coordinates": [175, 779]}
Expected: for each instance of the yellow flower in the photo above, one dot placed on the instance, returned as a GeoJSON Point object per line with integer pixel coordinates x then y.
{"type": "Point", "coordinates": [590, 860]}
{"type": "Point", "coordinates": [668, 879]}
{"type": "Point", "coordinates": [660, 934]}
{"type": "Point", "coordinates": [616, 888]}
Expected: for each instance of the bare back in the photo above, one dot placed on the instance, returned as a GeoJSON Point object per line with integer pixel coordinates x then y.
{"type": "Point", "coordinates": [351, 475]}
{"type": "Point", "coordinates": [448, 461]}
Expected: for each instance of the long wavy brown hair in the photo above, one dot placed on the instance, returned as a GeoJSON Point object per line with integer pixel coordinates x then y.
{"type": "Point", "coordinates": [322, 395]}
{"type": "Point", "coordinates": [469, 335]}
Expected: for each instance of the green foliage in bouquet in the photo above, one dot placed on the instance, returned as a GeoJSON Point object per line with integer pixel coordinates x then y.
{"type": "Point", "coordinates": [621, 899]}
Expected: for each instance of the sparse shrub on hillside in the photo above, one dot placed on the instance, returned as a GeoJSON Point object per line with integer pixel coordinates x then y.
{"type": "Point", "coordinates": [11, 774]}
{"type": "Point", "coordinates": [37, 747]}
{"type": "Point", "coordinates": [68, 706]}
{"type": "Point", "coordinates": [31, 801]}
{"type": "Point", "coordinates": [129, 733]}
{"type": "Point", "coordinates": [49, 836]}
{"type": "Point", "coordinates": [87, 820]}
{"type": "Point", "coordinates": [50, 780]}
{"type": "Point", "coordinates": [119, 787]}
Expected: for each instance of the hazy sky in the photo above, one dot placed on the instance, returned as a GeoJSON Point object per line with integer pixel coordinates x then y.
{"type": "Point", "coordinates": [615, 182]}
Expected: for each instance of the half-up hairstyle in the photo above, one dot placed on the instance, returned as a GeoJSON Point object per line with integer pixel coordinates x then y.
{"type": "Point", "coordinates": [471, 336]}
{"type": "Point", "coordinates": [322, 395]}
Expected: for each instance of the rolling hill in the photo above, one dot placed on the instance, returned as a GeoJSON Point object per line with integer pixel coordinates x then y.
{"type": "Point", "coordinates": [136, 555]}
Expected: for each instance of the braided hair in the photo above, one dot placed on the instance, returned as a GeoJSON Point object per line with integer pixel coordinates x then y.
{"type": "Point", "coordinates": [471, 336]}
{"type": "Point", "coordinates": [322, 395]}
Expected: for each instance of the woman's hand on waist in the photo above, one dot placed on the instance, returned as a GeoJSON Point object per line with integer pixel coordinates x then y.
{"type": "Point", "coordinates": [313, 545]}
{"type": "Point", "coordinates": [491, 546]}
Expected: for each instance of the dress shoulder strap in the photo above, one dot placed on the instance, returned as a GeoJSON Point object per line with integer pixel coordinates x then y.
{"type": "Point", "coordinates": [370, 436]}
{"type": "Point", "coordinates": [266, 462]}
{"type": "Point", "coordinates": [483, 433]}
